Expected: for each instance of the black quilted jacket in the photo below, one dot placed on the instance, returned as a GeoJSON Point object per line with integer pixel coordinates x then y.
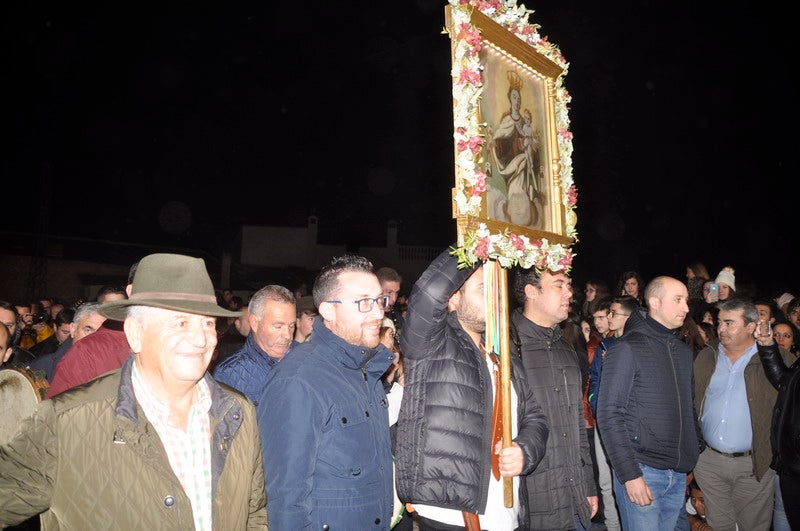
{"type": "Point", "coordinates": [444, 429]}
{"type": "Point", "coordinates": [645, 410]}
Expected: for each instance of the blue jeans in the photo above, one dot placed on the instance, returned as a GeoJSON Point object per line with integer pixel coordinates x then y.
{"type": "Point", "coordinates": [669, 495]}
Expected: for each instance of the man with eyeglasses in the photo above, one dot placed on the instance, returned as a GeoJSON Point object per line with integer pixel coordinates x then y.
{"type": "Point", "coordinates": [619, 310]}
{"type": "Point", "coordinates": [323, 416]}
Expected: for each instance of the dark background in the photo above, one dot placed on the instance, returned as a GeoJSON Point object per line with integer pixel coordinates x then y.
{"type": "Point", "coordinates": [178, 125]}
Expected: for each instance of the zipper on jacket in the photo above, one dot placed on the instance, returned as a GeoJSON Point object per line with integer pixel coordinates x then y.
{"type": "Point", "coordinates": [680, 403]}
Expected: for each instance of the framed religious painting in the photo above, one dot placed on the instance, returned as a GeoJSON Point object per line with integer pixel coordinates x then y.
{"type": "Point", "coordinates": [514, 198]}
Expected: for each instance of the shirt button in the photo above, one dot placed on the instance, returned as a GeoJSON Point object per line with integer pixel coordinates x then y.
{"type": "Point", "coordinates": [169, 501]}
{"type": "Point", "coordinates": [377, 521]}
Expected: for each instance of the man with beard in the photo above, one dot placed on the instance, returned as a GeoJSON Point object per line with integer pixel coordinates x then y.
{"type": "Point", "coordinates": [448, 464]}
{"type": "Point", "coordinates": [323, 415]}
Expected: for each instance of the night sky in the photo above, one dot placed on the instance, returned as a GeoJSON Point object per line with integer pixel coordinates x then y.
{"type": "Point", "coordinates": [177, 126]}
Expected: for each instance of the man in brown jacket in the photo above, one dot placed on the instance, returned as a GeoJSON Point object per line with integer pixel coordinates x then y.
{"type": "Point", "coordinates": [156, 444]}
{"type": "Point", "coordinates": [734, 401]}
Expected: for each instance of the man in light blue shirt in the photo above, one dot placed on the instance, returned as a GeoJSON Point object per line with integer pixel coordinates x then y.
{"type": "Point", "coordinates": [734, 401]}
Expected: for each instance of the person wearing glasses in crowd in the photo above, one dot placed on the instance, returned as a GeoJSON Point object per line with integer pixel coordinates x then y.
{"type": "Point", "coordinates": [323, 414]}
{"type": "Point", "coordinates": [619, 311]}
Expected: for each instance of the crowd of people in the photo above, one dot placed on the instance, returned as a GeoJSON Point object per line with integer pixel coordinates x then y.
{"type": "Point", "coordinates": [169, 403]}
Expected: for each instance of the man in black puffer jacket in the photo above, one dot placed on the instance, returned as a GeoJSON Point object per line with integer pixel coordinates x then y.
{"type": "Point", "coordinates": [444, 439]}
{"type": "Point", "coordinates": [645, 410]}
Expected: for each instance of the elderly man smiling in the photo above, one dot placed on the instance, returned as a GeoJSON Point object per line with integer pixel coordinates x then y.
{"type": "Point", "coordinates": [157, 444]}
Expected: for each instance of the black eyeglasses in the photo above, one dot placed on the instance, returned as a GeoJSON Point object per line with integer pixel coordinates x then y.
{"type": "Point", "coordinates": [366, 305]}
{"type": "Point", "coordinates": [612, 313]}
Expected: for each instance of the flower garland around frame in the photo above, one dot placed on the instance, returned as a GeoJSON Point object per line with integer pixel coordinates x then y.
{"type": "Point", "coordinates": [507, 248]}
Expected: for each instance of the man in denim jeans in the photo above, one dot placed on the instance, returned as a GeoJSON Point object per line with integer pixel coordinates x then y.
{"type": "Point", "coordinates": [645, 411]}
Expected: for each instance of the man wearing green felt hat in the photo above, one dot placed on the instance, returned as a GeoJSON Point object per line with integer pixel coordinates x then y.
{"type": "Point", "coordinates": [155, 444]}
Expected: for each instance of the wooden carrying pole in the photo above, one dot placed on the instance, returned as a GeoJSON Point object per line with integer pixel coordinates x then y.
{"type": "Point", "coordinates": [497, 340]}
{"type": "Point", "coordinates": [505, 373]}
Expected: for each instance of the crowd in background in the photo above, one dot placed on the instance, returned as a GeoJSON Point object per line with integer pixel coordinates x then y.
{"type": "Point", "coordinates": [47, 336]}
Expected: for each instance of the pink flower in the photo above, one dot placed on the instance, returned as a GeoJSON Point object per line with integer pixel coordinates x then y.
{"type": "Point", "coordinates": [482, 249]}
{"type": "Point", "coordinates": [473, 144]}
{"type": "Point", "coordinates": [565, 134]}
{"type": "Point", "coordinates": [567, 260]}
{"type": "Point", "coordinates": [471, 35]}
{"type": "Point", "coordinates": [469, 76]}
{"type": "Point", "coordinates": [480, 184]}
{"type": "Point", "coordinates": [516, 241]}
{"type": "Point", "coordinates": [461, 130]}
{"type": "Point", "coordinates": [487, 5]}
{"type": "Point", "coordinates": [572, 195]}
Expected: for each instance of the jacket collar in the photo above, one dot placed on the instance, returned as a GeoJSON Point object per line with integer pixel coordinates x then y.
{"type": "Point", "coordinates": [375, 360]}
{"type": "Point", "coordinates": [526, 327]}
{"type": "Point", "coordinates": [127, 407]}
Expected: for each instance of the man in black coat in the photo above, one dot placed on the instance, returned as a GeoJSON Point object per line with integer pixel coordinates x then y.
{"type": "Point", "coordinates": [444, 439]}
{"type": "Point", "coordinates": [645, 410]}
{"type": "Point", "coordinates": [561, 490]}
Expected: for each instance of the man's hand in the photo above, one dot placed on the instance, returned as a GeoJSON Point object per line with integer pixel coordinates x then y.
{"type": "Point", "coordinates": [638, 491]}
{"type": "Point", "coordinates": [593, 505]}
{"type": "Point", "coordinates": [511, 459]}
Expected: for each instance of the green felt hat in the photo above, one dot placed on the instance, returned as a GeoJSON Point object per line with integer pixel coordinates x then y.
{"type": "Point", "coordinates": [171, 281]}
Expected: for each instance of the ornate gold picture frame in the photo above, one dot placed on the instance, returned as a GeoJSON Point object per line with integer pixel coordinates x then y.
{"type": "Point", "coordinates": [513, 172]}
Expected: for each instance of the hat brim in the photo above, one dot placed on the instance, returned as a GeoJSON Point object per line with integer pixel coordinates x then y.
{"type": "Point", "coordinates": [118, 310]}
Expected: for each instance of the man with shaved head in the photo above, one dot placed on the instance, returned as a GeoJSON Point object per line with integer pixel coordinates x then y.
{"type": "Point", "coordinates": [645, 410]}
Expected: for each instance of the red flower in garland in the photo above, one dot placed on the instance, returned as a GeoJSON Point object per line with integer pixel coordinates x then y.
{"type": "Point", "coordinates": [480, 183]}
{"type": "Point", "coordinates": [482, 249]}
{"type": "Point", "coordinates": [516, 241]}
{"type": "Point", "coordinates": [471, 35]}
{"type": "Point", "coordinates": [572, 196]}
{"type": "Point", "coordinates": [473, 144]}
{"type": "Point", "coordinates": [469, 76]}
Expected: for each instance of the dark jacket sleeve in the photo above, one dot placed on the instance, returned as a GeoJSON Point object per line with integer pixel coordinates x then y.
{"type": "Point", "coordinates": [619, 369]}
{"type": "Point", "coordinates": [594, 377]}
{"type": "Point", "coordinates": [533, 430]}
{"type": "Point", "coordinates": [774, 367]}
{"type": "Point", "coordinates": [427, 309]}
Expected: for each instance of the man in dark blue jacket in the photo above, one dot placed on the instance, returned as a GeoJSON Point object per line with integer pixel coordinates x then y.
{"type": "Point", "coordinates": [272, 319]}
{"type": "Point", "coordinates": [645, 410]}
{"type": "Point", "coordinates": [323, 416]}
